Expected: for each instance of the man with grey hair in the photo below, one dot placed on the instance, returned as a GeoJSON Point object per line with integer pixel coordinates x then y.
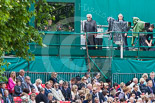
{"type": "Point", "coordinates": [90, 26]}
{"type": "Point", "coordinates": [28, 83]}
{"type": "Point", "coordinates": [135, 82]}
{"type": "Point", "coordinates": [21, 76]}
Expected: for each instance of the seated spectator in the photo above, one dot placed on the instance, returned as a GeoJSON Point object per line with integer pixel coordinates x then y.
{"type": "Point", "coordinates": [83, 83]}
{"type": "Point", "coordinates": [24, 96]}
{"type": "Point", "coordinates": [61, 84]}
{"type": "Point", "coordinates": [132, 100]}
{"type": "Point", "coordinates": [21, 76]}
{"type": "Point", "coordinates": [90, 87]}
{"type": "Point", "coordinates": [96, 100]}
{"type": "Point", "coordinates": [88, 98]}
{"type": "Point", "coordinates": [97, 76]}
{"type": "Point", "coordinates": [28, 83]}
{"type": "Point", "coordinates": [33, 96]}
{"type": "Point", "coordinates": [7, 98]}
{"type": "Point", "coordinates": [57, 93]}
{"type": "Point", "coordinates": [87, 75]}
{"type": "Point", "coordinates": [152, 75]}
{"type": "Point", "coordinates": [33, 90]}
{"type": "Point", "coordinates": [72, 82]}
{"type": "Point", "coordinates": [11, 82]}
{"type": "Point", "coordinates": [66, 91]}
{"type": "Point", "coordinates": [145, 76]}
{"type": "Point", "coordinates": [136, 92]}
{"type": "Point", "coordinates": [18, 88]}
{"type": "Point", "coordinates": [1, 99]}
{"type": "Point", "coordinates": [122, 85]}
{"type": "Point", "coordinates": [98, 95]}
{"type": "Point", "coordinates": [142, 86]}
{"type": "Point", "coordinates": [41, 97]}
{"type": "Point", "coordinates": [37, 85]}
{"type": "Point", "coordinates": [48, 88]}
{"type": "Point", "coordinates": [54, 77]}
{"type": "Point", "coordinates": [50, 97]}
{"type": "Point", "coordinates": [74, 91]}
{"type": "Point", "coordinates": [2, 88]}
{"type": "Point", "coordinates": [124, 94]}
{"type": "Point", "coordinates": [135, 81]}
{"type": "Point", "coordinates": [150, 87]}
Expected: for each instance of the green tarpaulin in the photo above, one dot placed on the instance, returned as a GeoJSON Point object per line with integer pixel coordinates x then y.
{"type": "Point", "coordinates": [48, 64]}
{"type": "Point", "coordinates": [132, 66]}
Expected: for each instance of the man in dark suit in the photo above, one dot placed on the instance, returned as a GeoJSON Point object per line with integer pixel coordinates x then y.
{"type": "Point", "coordinates": [66, 91]}
{"type": "Point", "coordinates": [152, 75]}
{"type": "Point", "coordinates": [41, 97]}
{"type": "Point", "coordinates": [90, 26]}
{"type": "Point", "coordinates": [98, 95]}
{"type": "Point", "coordinates": [136, 92]}
{"type": "Point", "coordinates": [149, 87]}
{"type": "Point", "coordinates": [47, 88]}
{"type": "Point", "coordinates": [2, 88]}
{"type": "Point", "coordinates": [21, 76]}
{"type": "Point", "coordinates": [7, 98]}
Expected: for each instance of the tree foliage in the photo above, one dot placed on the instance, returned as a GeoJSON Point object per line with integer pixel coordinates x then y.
{"type": "Point", "coordinates": [15, 31]}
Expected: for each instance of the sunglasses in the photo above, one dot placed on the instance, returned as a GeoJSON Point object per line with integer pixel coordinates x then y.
{"type": "Point", "coordinates": [88, 17]}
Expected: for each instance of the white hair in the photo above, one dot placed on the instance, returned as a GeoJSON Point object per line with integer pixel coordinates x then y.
{"type": "Point", "coordinates": [90, 15]}
{"type": "Point", "coordinates": [120, 15]}
{"type": "Point", "coordinates": [135, 79]}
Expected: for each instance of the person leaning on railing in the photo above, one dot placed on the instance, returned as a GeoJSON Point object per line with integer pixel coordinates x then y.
{"type": "Point", "coordinates": [149, 38]}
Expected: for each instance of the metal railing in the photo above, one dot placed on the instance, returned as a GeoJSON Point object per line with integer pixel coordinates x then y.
{"type": "Point", "coordinates": [45, 76]}
{"type": "Point", "coordinates": [125, 77]}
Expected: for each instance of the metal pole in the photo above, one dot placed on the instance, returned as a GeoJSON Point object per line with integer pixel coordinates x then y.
{"type": "Point", "coordinates": [121, 52]}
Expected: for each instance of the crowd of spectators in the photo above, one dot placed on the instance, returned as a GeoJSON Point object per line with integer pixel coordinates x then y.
{"type": "Point", "coordinates": [84, 89]}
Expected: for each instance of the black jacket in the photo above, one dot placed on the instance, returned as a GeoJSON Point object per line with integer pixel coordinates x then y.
{"type": "Point", "coordinates": [18, 90]}
{"type": "Point", "coordinates": [90, 26]}
{"type": "Point", "coordinates": [148, 90]}
{"type": "Point", "coordinates": [101, 97]}
{"type": "Point", "coordinates": [41, 98]}
{"type": "Point", "coordinates": [66, 94]}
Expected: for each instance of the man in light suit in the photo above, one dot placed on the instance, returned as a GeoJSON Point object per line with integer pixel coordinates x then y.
{"type": "Point", "coordinates": [57, 93]}
{"type": "Point", "coordinates": [21, 76]}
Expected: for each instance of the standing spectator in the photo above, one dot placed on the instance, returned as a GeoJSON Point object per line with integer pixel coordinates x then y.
{"type": "Point", "coordinates": [37, 85]}
{"type": "Point", "coordinates": [11, 82]}
{"type": "Point", "coordinates": [90, 26]}
{"type": "Point", "coordinates": [41, 97]}
{"type": "Point", "coordinates": [150, 87]}
{"type": "Point", "coordinates": [33, 96]}
{"type": "Point", "coordinates": [66, 91]}
{"type": "Point", "coordinates": [48, 88]}
{"type": "Point", "coordinates": [57, 92]}
{"type": "Point", "coordinates": [21, 76]}
{"type": "Point", "coordinates": [2, 88]}
{"type": "Point", "coordinates": [54, 77]}
{"type": "Point", "coordinates": [18, 88]}
{"type": "Point", "coordinates": [87, 75]}
{"type": "Point", "coordinates": [7, 98]}
{"type": "Point", "coordinates": [28, 83]}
